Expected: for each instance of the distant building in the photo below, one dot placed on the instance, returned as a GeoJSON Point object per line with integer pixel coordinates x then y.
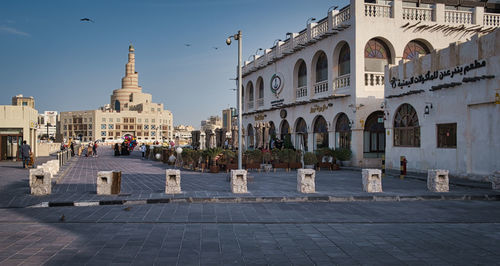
{"type": "Point", "coordinates": [20, 100]}
{"type": "Point", "coordinates": [18, 122]}
{"type": "Point", "coordinates": [47, 125]}
{"type": "Point", "coordinates": [212, 123]}
{"type": "Point", "coordinates": [182, 135]}
{"type": "Point", "coordinates": [228, 118]}
{"type": "Point", "coordinates": [130, 112]}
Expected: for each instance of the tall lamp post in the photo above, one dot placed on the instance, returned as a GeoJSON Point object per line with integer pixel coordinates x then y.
{"type": "Point", "coordinates": [228, 42]}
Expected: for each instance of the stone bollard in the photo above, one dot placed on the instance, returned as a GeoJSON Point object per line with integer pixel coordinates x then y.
{"type": "Point", "coordinates": [109, 182]}
{"type": "Point", "coordinates": [40, 182]}
{"type": "Point", "coordinates": [495, 181]}
{"type": "Point", "coordinates": [173, 181]}
{"type": "Point", "coordinates": [372, 180]}
{"type": "Point", "coordinates": [306, 180]}
{"type": "Point", "coordinates": [437, 180]}
{"type": "Point", "coordinates": [239, 181]}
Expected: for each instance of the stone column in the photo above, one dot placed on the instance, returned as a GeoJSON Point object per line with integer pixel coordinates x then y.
{"type": "Point", "coordinates": [266, 136]}
{"type": "Point", "coordinates": [437, 180]}
{"type": "Point", "coordinates": [372, 180]}
{"type": "Point", "coordinates": [239, 181]}
{"type": "Point", "coordinates": [173, 181]}
{"type": "Point", "coordinates": [108, 182]}
{"type": "Point", "coordinates": [306, 180]}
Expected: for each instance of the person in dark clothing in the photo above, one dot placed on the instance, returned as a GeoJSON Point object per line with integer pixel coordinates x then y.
{"type": "Point", "coordinates": [72, 147]}
{"type": "Point", "coordinates": [117, 149]}
{"type": "Point", "coordinates": [25, 153]}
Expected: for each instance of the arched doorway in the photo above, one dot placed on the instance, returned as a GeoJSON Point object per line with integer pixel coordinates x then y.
{"type": "Point", "coordinates": [250, 137]}
{"type": "Point", "coordinates": [374, 136]}
{"type": "Point", "coordinates": [285, 135]}
{"type": "Point", "coordinates": [301, 134]}
{"type": "Point", "coordinates": [342, 132]}
{"type": "Point", "coordinates": [320, 133]}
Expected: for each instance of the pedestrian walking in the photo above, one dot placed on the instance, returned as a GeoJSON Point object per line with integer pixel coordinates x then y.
{"type": "Point", "coordinates": [94, 149]}
{"type": "Point", "coordinates": [143, 150]}
{"type": "Point", "coordinates": [117, 149]}
{"type": "Point", "coordinates": [25, 153]}
{"type": "Point", "coordinates": [89, 149]}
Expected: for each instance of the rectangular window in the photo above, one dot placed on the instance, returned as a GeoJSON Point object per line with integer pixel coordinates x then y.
{"type": "Point", "coordinates": [25, 103]}
{"type": "Point", "coordinates": [152, 109]}
{"type": "Point", "coordinates": [117, 126]}
{"type": "Point", "coordinates": [131, 120]}
{"type": "Point", "coordinates": [65, 127]}
{"type": "Point", "coordinates": [110, 126]}
{"type": "Point", "coordinates": [65, 121]}
{"type": "Point", "coordinates": [125, 120]}
{"type": "Point", "coordinates": [90, 119]}
{"type": "Point", "coordinates": [118, 120]}
{"type": "Point", "coordinates": [447, 135]}
{"type": "Point", "coordinates": [103, 133]}
{"type": "Point", "coordinates": [153, 127]}
{"type": "Point", "coordinates": [125, 127]}
{"type": "Point", "coordinates": [117, 133]}
{"type": "Point", "coordinates": [146, 127]}
{"type": "Point", "coordinates": [131, 127]}
{"type": "Point", "coordinates": [139, 120]}
{"type": "Point", "coordinates": [111, 120]}
{"type": "Point", "coordinates": [85, 120]}
{"type": "Point", "coordinates": [152, 120]}
{"type": "Point", "coordinates": [110, 133]}
{"type": "Point", "coordinates": [153, 133]}
{"type": "Point", "coordinates": [90, 133]}
{"type": "Point", "coordinates": [146, 120]}
{"type": "Point", "coordinates": [90, 126]}
{"type": "Point", "coordinates": [103, 126]}
{"type": "Point", "coordinates": [103, 119]}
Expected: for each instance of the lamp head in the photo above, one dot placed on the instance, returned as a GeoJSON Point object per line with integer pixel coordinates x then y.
{"type": "Point", "coordinates": [228, 41]}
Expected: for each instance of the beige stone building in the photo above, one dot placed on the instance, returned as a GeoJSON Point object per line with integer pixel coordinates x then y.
{"type": "Point", "coordinates": [130, 112]}
{"type": "Point", "coordinates": [18, 122]}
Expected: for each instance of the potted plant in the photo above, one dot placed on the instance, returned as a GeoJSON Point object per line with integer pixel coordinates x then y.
{"type": "Point", "coordinates": [325, 158]}
{"type": "Point", "coordinates": [280, 158]}
{"type": "Point", "coordinates": [212, 155]}
{"type": "Point", "coordinates": [310, 160]}
{"type": "Point", "coordinates": [295, 162]}
{"type": "Point", "coordinates": [254, 157]}
{"type": "Point", "coordinates": [187, 158]}
{"type": "Point", "coordinates": [344, 156]}
{"type": "Point", "coordinates": [230, 160]}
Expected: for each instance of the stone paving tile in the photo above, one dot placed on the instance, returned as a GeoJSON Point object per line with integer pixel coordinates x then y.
{"type": "Point", "coordinates": [145, 179]}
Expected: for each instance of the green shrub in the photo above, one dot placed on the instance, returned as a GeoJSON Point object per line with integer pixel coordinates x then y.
{"type": "Point", "coordinates": [310, 158]}
{"type": "Point", "coordinates": [343, 154]}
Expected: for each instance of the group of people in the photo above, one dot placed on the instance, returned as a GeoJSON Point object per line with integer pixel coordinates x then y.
{"type": "Point", "coordinates": [89, 150]}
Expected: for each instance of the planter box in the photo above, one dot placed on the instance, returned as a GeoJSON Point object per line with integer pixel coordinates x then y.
{"type": "Point", "coordinates": [214, 169]}
{"type": "Point", "coordinates": [280, 165]}
{"type": "Point", "coordinates": [253, 166]}
{"type": "Point", "coordinates": [295, 165]}
{"type": "Point", "coordinates": [231, 166]}
{"type": "Point", "coordinates": [329, 166]}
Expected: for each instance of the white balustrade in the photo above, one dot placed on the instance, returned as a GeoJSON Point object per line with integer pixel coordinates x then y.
{"type": "Point", "coordinates": [260, 61]}
{"type": "Point", "coordinates": [301, 39]}
{"type": "Point", "coordinates": [343, 81]}
{"type": "Point", "coordinates": [375, 10]}
{"type": "Point", "coordinates": [374, 79]}
{"type": "Point", "coordinates": [321, 86]}
{"type": "Point", "coordinates": [417, 13]}
{"type": "Point", "coordinates": [343, 15]}
{"type": "Point", "coordinates": [320, 29]}
{"type": "Point", "coordinates": [492, 20]}
{"type": "Point", "coordinates": [260, 102]}
{"type": "Point", "coordinates": [301, 92]}
{"type": "Point", "coordinates": [286, 47]}
{"type": "Point", "coordinates": [458, 17]}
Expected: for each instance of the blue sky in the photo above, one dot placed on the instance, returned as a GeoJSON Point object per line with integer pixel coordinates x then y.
{"type": "Point", "coordinates": [46, 52]}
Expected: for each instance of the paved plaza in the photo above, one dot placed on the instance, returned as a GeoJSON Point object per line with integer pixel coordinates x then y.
{"type": "Point", "coordinates": [273, 225]}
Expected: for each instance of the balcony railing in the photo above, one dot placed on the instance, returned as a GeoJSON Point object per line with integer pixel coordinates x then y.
{"type": "Point", "coordinates": [301, 39]}
{"type": "Point", "coordinates": [343, 81]}
{"type": "Point", "coordinates": [376, 10]}
{"type": "Point", "coordinates": [260, 102]}
{"type": "Point", "coordinates": [250, 105]}
{"type": "Point", "coordinates": [320, 29]}
{"type": "Point", "coordinates": [343, 15]}
{"type": "Point", "coordinates": [458, 17]}
{"type": "Point", "coordinates": [321, 87]}
{"type": "Point", "coordinates": [492, 20]}
{"type": "Point", "coordinates": [374, 79]}
{"type": "Point", "coordinates": [301, 92]}
{"type": "Point", "coordinates": [417, 13]}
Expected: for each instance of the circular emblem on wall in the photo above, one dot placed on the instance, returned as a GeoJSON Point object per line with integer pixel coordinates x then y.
{"type": "Point", "coordinates": [283, 114]}
{"type": "Point", "coordinates": [277, 83]}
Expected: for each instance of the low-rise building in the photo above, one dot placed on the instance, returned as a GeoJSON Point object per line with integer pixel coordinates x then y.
{"type": "Point", "coordinates": [442, 110]}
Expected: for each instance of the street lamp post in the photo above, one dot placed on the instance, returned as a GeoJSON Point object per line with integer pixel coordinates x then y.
{"type": "Point", "coordinates": [228, 42]}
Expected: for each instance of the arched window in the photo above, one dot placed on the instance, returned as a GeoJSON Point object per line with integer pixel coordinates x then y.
{"type": "Point", "coordinates": [301, 134]}
{"type": "Point", "coordinates": [344, 60]}
{"type": "Point", "coordinates": [250, 92]}
{"type": "Point", "coordinates": [320, 133]}
{"type": "Point", "coordinates": [342, 132]}
{"type": "Point", "coordinates": [377, 55]}
{"type": "Point", "coordinates": [302, 75]}
{"type": "Point", "coordinates": [117, 105]}
{"type": "Point", "coordinates": [261, 88]}
{"type": "Point", "coordinates": [250, 137]}
{"type": "Point", "coordinates": [321, 68]}
{"type": "Point", "coordinates": [284, 129]}
{"type": "Point", "coordinates": [406, 127]}
{"type": "Point", "coordinates": [413, 49]}
{"type": "Point", "coordinates": [374, 135]}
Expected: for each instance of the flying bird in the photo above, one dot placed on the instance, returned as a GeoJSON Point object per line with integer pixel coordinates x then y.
{"type": "Point", "coordinates": [86, 20]}
{"type": "Point", "coordinates": [187, 44]}
{"type": "Point", "coordinates": [216, 48]}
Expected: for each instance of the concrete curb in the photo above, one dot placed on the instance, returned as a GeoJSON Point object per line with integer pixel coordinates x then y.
{"type": "Point", "coordinates": [368, 198]}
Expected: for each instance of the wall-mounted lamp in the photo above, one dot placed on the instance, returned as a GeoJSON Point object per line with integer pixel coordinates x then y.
{"type": "Point", "coordinates": [427, 108]}
{"type": "Point", "coordinates": [332, 8]}
{"type": "Point", "coordinates": [309, 20]}
{"type": "Point", "coordinates": [276, 42]}
{"type": "Point", "coordinates": [260, 49]}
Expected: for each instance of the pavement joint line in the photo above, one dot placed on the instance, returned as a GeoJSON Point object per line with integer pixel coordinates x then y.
{"type": "Point", "coordinates": [63, 174]}
{"type": "Point", "coordinates": [332, 199]}
{"type": "Point", "coordinates": [250, 222]}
